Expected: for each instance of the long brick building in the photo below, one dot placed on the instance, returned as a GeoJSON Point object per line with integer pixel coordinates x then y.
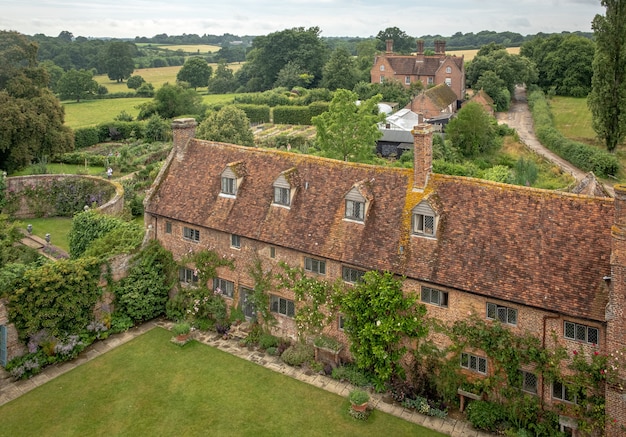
{"type": "Point", "coordinates": [543, 262]}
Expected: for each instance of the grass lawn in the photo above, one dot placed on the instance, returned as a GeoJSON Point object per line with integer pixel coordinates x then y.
{"type": "Point", "coordinates": [60, 168]}
{"type": "Point", "coordinates": [57, 227]}
{"type": "Point", "coordinates": [92, 112]}
{"type": "Point", "coordinates": [151, 387]}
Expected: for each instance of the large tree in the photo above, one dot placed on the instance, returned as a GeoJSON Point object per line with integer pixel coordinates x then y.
{"type": "Point", "coordinates": [402, 43]}
{"type": "Point", "coordinates": [228, 125]}
{"type": "Point", "coordinates": [31, 117]}
{"type": "Point", "coordinates": [607, 100]}
{"type": "Point", "coordinates": [340, 71]}
{"type": "Point", "coordinates": [196, 72]}
{"type": "Point", "coordinates": [349, 129]}
{"type": "Point", "coordinates": [118, 61]}
{"type": "Point", "coordinates": [77, 84]}
{"type": "Point", "coordinates": [175, 100]}
{"type": "Point", "coordinates": [472, 131]}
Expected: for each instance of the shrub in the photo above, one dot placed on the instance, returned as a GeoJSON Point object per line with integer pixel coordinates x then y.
{"type": "Point", "coordinates": [291, 115]}
{"type": "Point", "coordinates": [487, 416]}
{"type": "Point", "coordinates": [267, 341]}
{"type": "Point", "coordinates": [351, 374]}
{"type": "Point", "coordinates": [256, 113]}
{"type": "Point", "coordinates": [358, 397]}
{"type": "Point", "coordinates": [298, 354]}
{"type": "Point", "coordinates": [86, 137]}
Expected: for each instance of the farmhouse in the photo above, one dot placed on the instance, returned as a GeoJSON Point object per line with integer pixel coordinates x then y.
{"type": "Point", "coordinates": [431, 70]}
{"type": "Point", "coordinates": [547, 263]}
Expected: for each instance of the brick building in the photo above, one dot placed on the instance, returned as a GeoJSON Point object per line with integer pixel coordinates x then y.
{"type": "Point", "coordinates": [431, 70]}
{"type": "Point", "coordinates": [545, 262]}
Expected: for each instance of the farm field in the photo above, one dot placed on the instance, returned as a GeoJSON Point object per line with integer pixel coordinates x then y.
{"type": "Point", "coordinates": [470, 54]}
{"type": "Point", "coordinates": [152, 387]}
{"type": "Point", "coordinates": [187, 48]}
{"type": "Point", "coordinates": [91, 112]}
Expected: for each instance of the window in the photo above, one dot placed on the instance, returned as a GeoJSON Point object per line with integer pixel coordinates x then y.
{"type": "Point", "coordinates": [191, 234]}
{"type": "Point", "coordinates": [351, 275]}
{"type": "Point", "coordinates": [424, 224]}
{"type": "Point", "coordinates": [187, 276]}
{"type": "Point", "coordinates": [382, 68]}
{"type": "Point", "coordinates": [382, 79]}
{"type": "Point", "coordinates": [448, 81]}
{"type": "Point", "coordinates": [315, 266]}
{"type": "Point", "coordinates": [229, 186]}
{"type": "Point", "coordinates": [529, 382]}
{"type": "Point", "coordinates": [341, 320]}
{"type": "Point", "coordinates": [474, 363]}
{"type": "Point", "coordinates": [430, 81]}
{"type": "Point", "coordinates": [448, 70]}
{"type": "Point", "coordinates": [355, 210]}
{"type": "Point", "coordinates": [407, 80]}
{"type": "Point", "coordinates": [501, 313]}
{"type": "Point", "coordinates": [272, 252]}
{"type": "Point", "coordinates": [561, 392]}
{"type": "Point", "coordinates": [282, 196]}
{"type": "Point", "coordinates": [235, 241]}
{"type": "Point", "coordinates": [223, 287]}
{"type": "Point", "coordinates": [435, 297]}
{"type": "Point", "coordinates": [282, 306]}
{"type": "Point", "coordinates": [575, 331]}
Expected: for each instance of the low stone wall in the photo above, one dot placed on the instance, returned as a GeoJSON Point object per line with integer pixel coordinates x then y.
{"type": "Point", "coordinates": [17, 184]}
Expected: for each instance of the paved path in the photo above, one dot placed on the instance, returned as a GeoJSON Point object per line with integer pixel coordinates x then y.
{"type": "Point", "coordinates": [456, 428]}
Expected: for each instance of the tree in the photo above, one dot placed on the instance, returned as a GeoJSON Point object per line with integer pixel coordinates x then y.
{"type": "Point", "coordinates": [292, 75]}
{"type": "Point", "coordinates": [196, 72]}
{"type": "Point", "coordinates": [174, 100]}
{"type": "Point", "coordinates": [54, 74]}
{"type": "Point", "coordinates": [31, 117]}
{"type": "Point", "coordinates": [607, 100]}
{"type": "Point", "coordinates": [118, 61]}
{"type": "Point", "coordinates": [223, 81]}
{"type": "Point", "coordinates": [348, 130]}
{"type": "Point", "coordinates": [402, 43]}
{"type": "Point", "coordinates": [495, 88]}
{"type": "Point", "coordinates": [472, 130]}
{"type": "Point", "coordinates": [77, 84]}
{"type": "Point", "coordinates": [228, 125]}
{"type": "Point", "coordinates": [340, 71]}
{"type": "Point", "coordinates": [135, 81]}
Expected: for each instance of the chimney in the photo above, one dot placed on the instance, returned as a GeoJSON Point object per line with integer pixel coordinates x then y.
{"type": "Point", "coordinates": [420, 47]}
{"type": "Point", "coordinates": [389, 46]}
{"type": "Point", "coordinates": [440, 47]}
{"type": "Point", "coordinates": [422, 154]}
{"type": "Point", "coordinates": [615, 323]}
{"type": "Point", "coordinates": [183, 130]}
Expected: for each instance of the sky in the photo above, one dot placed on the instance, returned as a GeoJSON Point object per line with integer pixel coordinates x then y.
{"type": "Point", "coordinates": [357, 18]}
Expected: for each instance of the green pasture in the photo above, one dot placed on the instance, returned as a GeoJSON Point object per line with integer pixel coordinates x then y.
{"type": "Point", "coordinates": [92, 112]}
{"type": "Point", "coordinates": [573, 118]}
{"type": "Point", "coordinates": [152, 387]}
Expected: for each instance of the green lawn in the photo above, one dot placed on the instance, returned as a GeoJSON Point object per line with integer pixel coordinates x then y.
{"type": "Point", "coordinates": [572, 118]}
{"type": "Point", "coordinates": [151, 387]}
{"type": "Point", "coordinates": [57, 227]}
{"type": "Point", "coordinates": [92, 112]}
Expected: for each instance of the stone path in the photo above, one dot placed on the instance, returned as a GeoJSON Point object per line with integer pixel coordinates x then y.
{"type": "Point", "coordinates": [10, 390]}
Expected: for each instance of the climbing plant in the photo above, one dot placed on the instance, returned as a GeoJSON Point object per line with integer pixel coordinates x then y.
{"type": "Point", "coordinates": [259, 298]}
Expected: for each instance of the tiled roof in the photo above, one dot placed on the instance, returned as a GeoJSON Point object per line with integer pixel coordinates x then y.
{"type": "Point", "coordinates": [411, 65]}
{"type": "Point", "coordinates": [441, 95]}
{"type": "Point", "coordinates": [535, 247]}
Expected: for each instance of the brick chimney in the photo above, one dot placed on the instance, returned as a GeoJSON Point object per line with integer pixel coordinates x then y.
{"type": "Point", "coordinates": [420, 47]}
{"type": "Point", "coordinates": [615, 322]}
{"type": "Point", "coordinates": [422, 154]}
{"type": "Point", "coordinates": [183, 130]}
{"type": "Point", "coordinates": [389, 43]}
{"type": "Point", "coordinates": [440, 47]}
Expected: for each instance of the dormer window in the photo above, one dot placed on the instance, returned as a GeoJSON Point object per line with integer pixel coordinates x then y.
{"type": "Point", "coordinates": [231, 179]}
{"type": "Point", "coordinates": [357, 201]}
{"type": "Point", "coordinates": [285, 187]}
{"type": "Point", "coordinates": [424, 220]}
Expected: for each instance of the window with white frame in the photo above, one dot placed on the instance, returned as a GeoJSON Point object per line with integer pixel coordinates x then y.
{"type": "Point", "coordinates": [224, 287]}
{"type": "Point", "coordinates": [382, 79]}
{"type": "Point", "coordinates": [407, 80]}
{"type": "Point", "coordinates": [504, 314]}
{"type": "Point", "coordinates": [355, 210]}
{"type": "Point", "coordinates": [230, 180]}
{"type": "Point", "coordinates": [448, 70]}
{"type": "Point", "coordinates": [448, 81]}
{"type": "Point", "coordinates": [280, 305]}
{"type": "Point", "coordinates": [315, 266]}
{"type": "Point", "coordinates": [282, 196]}
{"type": "Point", "coordinates": [529, 382]}
{"type": "Point", "coordinates": [424, 220]}
{"type": "Point", "coordinates": [583, 333]}
{"type": "Point", "coordinates": [229, 186]}
{"type": "Point", "coordinates": [474, 363]}
{"type": "Point", "coordinates": [235, 241]}
{"type": "Point", "coordinates": [430, 81]}
{"type": "Point", "coordinates": [434, 297]}
{"type": "Point", "coordinates": [191, 234]}
{"type": "Point", "coordinates": [382, 68]}
{"type": "Point", "coordinates": [562, 393]}
{"type": "Point", "coordinates": [351, 275]}
{"type": "Point", "coordinates": [187, 276]}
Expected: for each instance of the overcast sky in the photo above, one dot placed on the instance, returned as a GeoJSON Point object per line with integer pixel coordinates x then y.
{"type": "Point", "coordinates": [363, 18]}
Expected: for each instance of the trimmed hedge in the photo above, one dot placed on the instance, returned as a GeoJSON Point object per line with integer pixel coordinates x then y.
{"type": "Point", "coordinates": [86, 137]}
{"type": "Point", "coordinates": [583, 156]}
{"type": "Point", "coordinates": [256, 113]}
{"type": "Point", "coordinates": [317, 108]}
{"type": "Point", "coordinates": [291, 115]}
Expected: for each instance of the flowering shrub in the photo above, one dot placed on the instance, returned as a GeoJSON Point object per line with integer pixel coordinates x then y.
{"type": "Point", "coordinates": [423, 406]}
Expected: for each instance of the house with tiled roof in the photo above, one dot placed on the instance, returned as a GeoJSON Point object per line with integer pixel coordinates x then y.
{"type": "Point", "coordinates": [484, 100]}
{"type": "Point", "coordinates": [436, 103]}
{"type": "Point", "coordinates": [548, 263]}
{"type": "Point", "coordinates": [430, 70]}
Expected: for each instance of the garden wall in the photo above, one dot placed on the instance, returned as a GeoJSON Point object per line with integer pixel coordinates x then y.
{"type": "Point", "coordinates": [27, 206]}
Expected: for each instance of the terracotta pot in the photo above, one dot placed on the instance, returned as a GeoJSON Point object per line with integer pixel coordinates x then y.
{"type": "Point", "coordinates": [359, 408]}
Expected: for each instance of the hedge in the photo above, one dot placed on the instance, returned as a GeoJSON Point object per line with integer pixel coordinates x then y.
{"type": "Point", "coordinates": [256, 113]}
{"type": "Point", "coordinates": [583, 156]}
{"type": "Point", "coordinates": [86, 137]}
{"type": "Point", "coordinates": [291, 115]}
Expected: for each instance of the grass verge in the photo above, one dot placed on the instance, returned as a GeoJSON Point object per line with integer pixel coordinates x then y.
{"type": "Point", "coordinates": [150, 386]}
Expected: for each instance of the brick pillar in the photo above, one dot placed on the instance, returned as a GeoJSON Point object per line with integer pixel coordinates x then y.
{"type": "Point", "coordinates": [616, 322]}
{"type": "Point", "coordinates": [183, 130]}
{"type": "Point", "coordinates": [420, 46]}
{"type": "Point", "coordinates": [422, 154]}
{"type": "Point", "coordinates": [389, 43]}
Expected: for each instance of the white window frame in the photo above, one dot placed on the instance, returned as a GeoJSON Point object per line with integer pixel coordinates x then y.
{"type": "Point", "coordinates": [474, 363]}
{"type": "Point", "coordinates": [561, 392]}
{"type": "Point", "coordinates": [382, 78]}
{"type": "Point", "coordinates": [229, 186]}
{"type": "Point", "coordinates": [235, 241]}
{"type": "Point", "coordinates": [382, 68]}
{"type": "Point", "coordinates": [224, 287]}
{"type": "Point", "coordinates": [355, 210]}
{"type": "Point", "coordinates": [350, 275]}
{"type": "Point", "coordinates": [407, 80]}
{"type": "Point", "coordinates": [314, 265]}
{"type": "Point", "coordinates": [581, 332]}
{"type": "Point", "coordinates": [448, 81]}
{"type": "Point", "coordinates": [420, 222]}
{"type": "Point", "coordinates": [191, 234]}
{"type": "Point", "coordinates": [187, 276]}
{"type": "Point", "coordinates": [448, 70]}
{"type": "Point", "coordinates": [502, 313]}
{"type": "Point", "coordinates": [433, 296]}
{"type": "Point", "coordinates": [530, 382]}
{"type": "Point", "coordinates": [430, 80]}
{"type": "Point", "coordinates": [282, 306]}
{"type": "Point", "coordinates": [282, 196]}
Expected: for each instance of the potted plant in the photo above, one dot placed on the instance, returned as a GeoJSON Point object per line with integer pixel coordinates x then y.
{"type": "Point", "coordinates": [358, 399]}
{"type": "Point", "coordinates": [181, 331]}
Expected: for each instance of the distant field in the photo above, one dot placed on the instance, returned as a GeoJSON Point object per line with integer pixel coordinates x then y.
{"type": "Point", "coordinates": [91, 112]}
{"type": "Point", "coordinates": [187, 48]}
{"type": "Point", "coordinates": [469, 54]}
{"type": "Point", "coordinates": [572, 118]}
